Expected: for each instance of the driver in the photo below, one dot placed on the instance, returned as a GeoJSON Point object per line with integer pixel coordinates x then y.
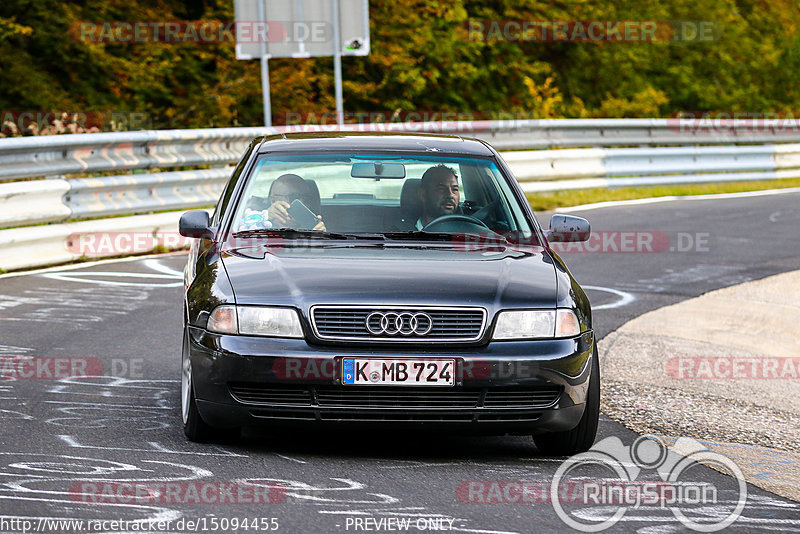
{"type": "Point", "coordinates": [438, 193]}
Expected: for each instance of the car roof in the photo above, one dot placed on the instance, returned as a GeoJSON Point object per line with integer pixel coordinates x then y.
{"type": "Point", "coordinates": [383, 142]}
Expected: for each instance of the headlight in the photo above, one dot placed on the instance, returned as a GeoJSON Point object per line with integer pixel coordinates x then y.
{"type": "Point", "coordinates": [255, 321]}
{"type": "Point", "coordinates": [536, 324]}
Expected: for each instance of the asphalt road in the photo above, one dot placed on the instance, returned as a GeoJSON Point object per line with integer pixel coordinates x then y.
{"type": "Point", "coordinates": [59, 435]}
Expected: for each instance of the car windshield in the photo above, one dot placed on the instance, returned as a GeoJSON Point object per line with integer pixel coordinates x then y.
{"type": "Point", "coordinates": [381, 195]}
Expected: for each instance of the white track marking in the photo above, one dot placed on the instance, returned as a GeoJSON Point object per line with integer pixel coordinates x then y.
{"type": "Point", "coordinates": [306, 492]}
{"type": "Point", "coordinates": [77, 405]}
{"type": "Point", "coordinates": [87, 278]}
{"type": "Point", "coordinates": [161, 268]}
{"type": "Point", "coordinates": [289, 458]}
{"type": "Point", "coordinates": [418, 465]}
{"type": "Point", "coordinates": [84, 265]}
{"type": "Point", "coordinates": [13, 414]}
{"type": "Point", "coordinates": [156, 447]}
{"type": "Point", "coordinates": [74, 305]}
{"type": "Point", "coordinates": [624, 297]}
{"type": "Point", "coordinates": [114, 382]}
{"type": "Point", "coordinates": [654, 200]}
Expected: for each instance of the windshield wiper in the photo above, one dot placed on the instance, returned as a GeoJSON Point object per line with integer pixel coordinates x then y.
{"type": "Point", "coordinates": [413, 235]}
{"type": "Point", "coordinates": [292, 233]}
{"type": "Point", "coordinates": [465, 237]}
{"type": "Point", "coordinates": [419, 235]}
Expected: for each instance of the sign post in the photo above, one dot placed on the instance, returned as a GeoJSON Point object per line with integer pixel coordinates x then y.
{"type": "Point", "coordinates": [337, 64]}
{"type": "Point", "coordinates": [265, 93]}
{"type": "Point", "coordinates": [301, 29]}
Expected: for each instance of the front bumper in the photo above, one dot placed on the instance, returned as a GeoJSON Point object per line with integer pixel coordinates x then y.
{"type": "Point", "coordinates": [510, 386]}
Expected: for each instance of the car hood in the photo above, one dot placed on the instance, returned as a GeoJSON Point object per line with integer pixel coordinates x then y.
{"type": "Point", "coordinates": [307, 276]}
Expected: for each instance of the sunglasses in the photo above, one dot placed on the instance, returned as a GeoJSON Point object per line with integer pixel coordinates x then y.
{"type": "Point", "coordinates": [289, 198]}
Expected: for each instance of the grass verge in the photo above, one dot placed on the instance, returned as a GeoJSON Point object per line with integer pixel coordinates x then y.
{"type": "Point", "coordinates": [563, 199]}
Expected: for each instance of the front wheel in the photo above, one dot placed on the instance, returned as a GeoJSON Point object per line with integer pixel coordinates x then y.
{"type": "Point", "coordinates": [580, 438]}
{"type": "Point", "coordinates": [193, 425]}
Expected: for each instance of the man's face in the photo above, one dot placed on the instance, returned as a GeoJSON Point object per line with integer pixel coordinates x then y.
{"type": "Point", "coordinates": [440, 196]}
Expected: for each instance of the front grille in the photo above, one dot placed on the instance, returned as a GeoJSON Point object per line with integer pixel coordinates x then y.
{"type": "Point", "coordinates": [284, 415]}
{"type": "Point", "coordinates": [396, 398]}
{"type": "Point", "coordinates": [434, 324]}
{"type": "Point", "coordinates": [406, 397]}
{"type": "Point", "coordinates": [397, 417]}
{"type": "Point", "coordinates": [258, 394]}
{"type": "Point", "coordinates": [522, 397]}
{"type": "Point", "coordinates": [509, 417]}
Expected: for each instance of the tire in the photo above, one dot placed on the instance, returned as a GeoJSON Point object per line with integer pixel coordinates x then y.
{"type": "Point", "coordinates": [581, 438]}
{"type": "Point", "coordinates": [193, 425]}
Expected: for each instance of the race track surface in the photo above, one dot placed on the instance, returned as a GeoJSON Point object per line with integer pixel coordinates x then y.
{"type": "Point", "coordinates": [60, 434]}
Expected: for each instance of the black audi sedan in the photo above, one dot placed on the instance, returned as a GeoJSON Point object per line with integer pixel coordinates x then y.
{"type": "Point", "coordinates": [384, 280]}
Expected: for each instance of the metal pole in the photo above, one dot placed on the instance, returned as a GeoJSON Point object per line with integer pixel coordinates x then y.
{"type": "Point", "coordinates": [337, 64]}
{"type": "Point", "coordinates": [262, 17]}
{"type": "Point", "coordinates": [265, 90]}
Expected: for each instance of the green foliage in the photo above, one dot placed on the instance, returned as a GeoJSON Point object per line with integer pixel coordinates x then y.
{"type": "Point", "coordinates": [422, 59]}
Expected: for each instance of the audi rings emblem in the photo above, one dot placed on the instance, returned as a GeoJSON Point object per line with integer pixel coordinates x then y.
{"type": "Point", "coordinates": [402, 323]}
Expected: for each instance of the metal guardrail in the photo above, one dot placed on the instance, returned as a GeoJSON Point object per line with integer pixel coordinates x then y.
{"type": "Point", "coordinates": [545, 155]}
{"type": "Point", "coordinates": [53, 155]}
{"type": "Point", "coordinates": [628, 167]}
{"type": "Point", "coordinates": [123, 195]}
{"type": "Point", "coordinates": [86, 153]}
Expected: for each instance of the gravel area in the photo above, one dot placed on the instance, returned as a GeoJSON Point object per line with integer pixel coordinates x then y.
{"type": "Point", "coordinates": [697, 369]}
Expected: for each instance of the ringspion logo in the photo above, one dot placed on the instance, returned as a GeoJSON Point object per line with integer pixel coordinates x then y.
{"type": "Point", "coordinates": [623, 486]}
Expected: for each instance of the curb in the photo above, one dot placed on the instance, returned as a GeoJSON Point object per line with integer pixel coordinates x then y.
{"type": "Point", "coordinates": [719, 368]}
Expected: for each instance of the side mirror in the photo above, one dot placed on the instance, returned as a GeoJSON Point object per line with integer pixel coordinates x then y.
{"type": "Point", "coordinates": [566, 228]}
{"type": "Point", "coordinates": [195, 223]}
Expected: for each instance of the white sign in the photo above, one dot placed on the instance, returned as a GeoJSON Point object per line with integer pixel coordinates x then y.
{"type": "Point", "coordinates": [301, 28]}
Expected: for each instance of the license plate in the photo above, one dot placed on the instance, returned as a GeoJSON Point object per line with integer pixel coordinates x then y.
{"type": "Point", "coordinates": [404, 372]}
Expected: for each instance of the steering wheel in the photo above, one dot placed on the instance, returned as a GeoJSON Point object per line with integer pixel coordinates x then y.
{"type": "Point", "coordinates": [457, 223]}
{"type": "Point", "coordinates": [487, 210]}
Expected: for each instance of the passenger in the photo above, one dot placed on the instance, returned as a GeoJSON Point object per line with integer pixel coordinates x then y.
{"type": "Point", "coordinates": [272, 211]}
